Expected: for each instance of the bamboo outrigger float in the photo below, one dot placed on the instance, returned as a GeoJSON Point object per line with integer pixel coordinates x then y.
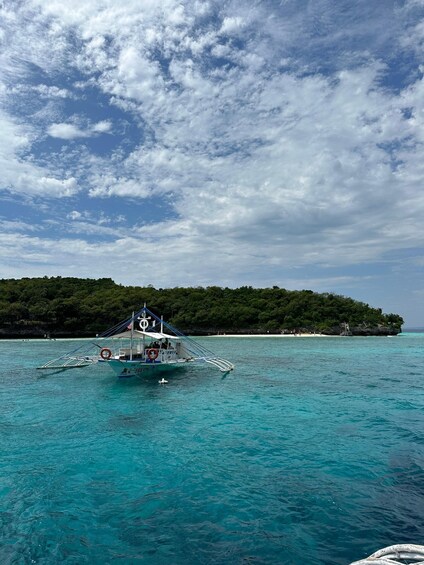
{"type": "Point", "coordinates": [139, 346]}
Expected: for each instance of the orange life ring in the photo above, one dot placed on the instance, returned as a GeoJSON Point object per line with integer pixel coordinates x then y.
{"type": "Point", "coordinates": [152, 354]}
{"type": "Point", "coordinates": [105, 353]}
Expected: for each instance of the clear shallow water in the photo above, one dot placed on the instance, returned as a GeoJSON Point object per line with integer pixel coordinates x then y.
{"type": "Point", "coordinates": [312, 451]}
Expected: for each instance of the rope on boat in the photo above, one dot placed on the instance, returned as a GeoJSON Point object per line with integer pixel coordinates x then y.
{"type": "Point", "coordinates": [401, 554]}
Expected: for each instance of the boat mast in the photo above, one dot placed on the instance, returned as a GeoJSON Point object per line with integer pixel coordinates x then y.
{"type": "Point", "coordinates": [144, 337]}
{"type": "Point", "coordinates": [132, 336]}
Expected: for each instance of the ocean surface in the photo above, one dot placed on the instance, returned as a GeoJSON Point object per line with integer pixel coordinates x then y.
{"type": "Point", "coordinates": [310, 452]}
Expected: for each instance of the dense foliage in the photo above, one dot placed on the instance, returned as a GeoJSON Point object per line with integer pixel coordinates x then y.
{"type": "Point", "coordinates": [86, 306]}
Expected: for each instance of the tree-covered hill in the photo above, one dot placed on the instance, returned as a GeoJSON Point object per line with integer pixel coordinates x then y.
{"type": "Point", "coordinates": [80, 307]}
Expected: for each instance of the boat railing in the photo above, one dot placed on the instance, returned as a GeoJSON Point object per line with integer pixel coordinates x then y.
{"type": "Point", "coordinates": [164, 355]}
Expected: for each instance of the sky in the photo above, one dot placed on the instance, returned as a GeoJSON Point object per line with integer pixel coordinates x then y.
{"type": "Point", "coordinates": [229, 143]}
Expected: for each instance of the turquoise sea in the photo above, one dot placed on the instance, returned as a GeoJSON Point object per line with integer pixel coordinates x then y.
{"type": "Point", "coordinates": [310, 452]}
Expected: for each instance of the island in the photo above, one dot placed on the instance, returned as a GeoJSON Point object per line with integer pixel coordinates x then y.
{"type": "Point", "coordinates": [76, 307]}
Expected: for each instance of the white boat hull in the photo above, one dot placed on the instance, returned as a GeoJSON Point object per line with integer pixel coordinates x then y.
{"type": "Point", "coordinates": [126, 369]}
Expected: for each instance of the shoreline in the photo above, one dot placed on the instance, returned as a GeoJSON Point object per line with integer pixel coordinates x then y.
{"type": "Point", "coordinates": [222, 335]}
{"type": "Point", "coordinates": [187, 335]}
{"type": "Point", "coordinates": [273, 335]}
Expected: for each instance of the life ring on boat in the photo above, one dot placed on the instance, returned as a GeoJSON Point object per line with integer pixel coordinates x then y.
{"type": "Point", "coordinates": [152, 354]}
{"type": "Point", "coordinates": [105, 353]}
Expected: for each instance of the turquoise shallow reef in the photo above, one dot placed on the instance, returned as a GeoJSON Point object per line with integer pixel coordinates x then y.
{"type": "Point", "coordinates": [311, 451]}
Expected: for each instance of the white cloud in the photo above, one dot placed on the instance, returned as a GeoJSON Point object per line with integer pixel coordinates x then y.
{"type": "Point", "coordinates": [104, 185]}
{"type": "Point", "coordinates": [21, 175]}
{"type": "Point", "coordinates": [16, 226]}
{"type": "Point", "coordinates": [74, 215]}
{"type": "Point", "coordinates": [102, 127]}
{"type": "Point", "coordinates": [66, 131]}
{"type": "Point", "coordinates": [231, 25]}
{"type": "Point", "coordinates": [53, 91]}
{"type": "Point", "coordinates": [86, 217]}
{"type": "Point", "coordinates": [71, 131]}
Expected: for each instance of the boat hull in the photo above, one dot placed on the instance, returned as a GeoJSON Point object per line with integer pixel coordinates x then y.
{"type": "Point", "coordinates": [126, 369]}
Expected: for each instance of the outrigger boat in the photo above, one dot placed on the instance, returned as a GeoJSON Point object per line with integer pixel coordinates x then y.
{"type": "Point", "coordinates": [141, 345]}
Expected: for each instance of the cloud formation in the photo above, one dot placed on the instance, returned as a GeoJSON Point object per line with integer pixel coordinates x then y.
{"type": "Point", "coordinates": [243, 143]}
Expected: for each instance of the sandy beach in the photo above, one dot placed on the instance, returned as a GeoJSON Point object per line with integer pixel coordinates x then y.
{"type": "Point", "coordinates": [272, 335]}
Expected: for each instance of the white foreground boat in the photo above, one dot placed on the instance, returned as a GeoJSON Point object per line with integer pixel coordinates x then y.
{"type": "Point", "coordinates": [142, 345]}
